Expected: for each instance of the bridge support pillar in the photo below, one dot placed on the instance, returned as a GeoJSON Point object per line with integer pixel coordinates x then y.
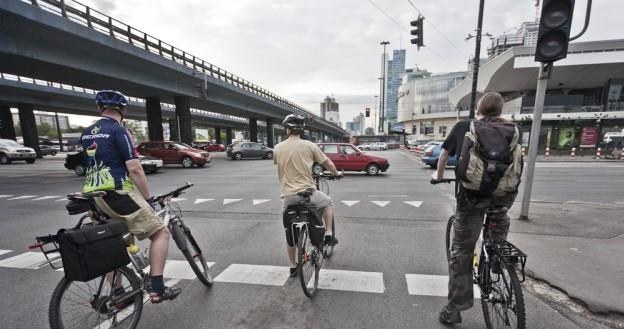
{"type": "Point", "coordinates": [321, 137]}
{"type": "Point", "coordinates": [173, 129]}
{"type": "Point", "coordinates": [228, 135]}
{"type": "Point", "coordinates": [29, 127]}
{"type": "Point", "coordinates": [218, 136]}
{"type": "Point", "coordinates": [154, 119]}
{"type": "Point", "coordinates": [270, 133]}
{"type": "Point", "coordinates": [253, 130]}
{"type": "Point", "coordinates": [7, 128]}
{"type": "Point", "coordinates": [183, 114]}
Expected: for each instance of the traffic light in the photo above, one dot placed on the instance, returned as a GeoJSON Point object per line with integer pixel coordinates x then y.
{"type": "Point", "coordinates": [554, 30]}
{"type": "Point", "coordinates": [417, 32]}
{"type": "Point", "coordinates": [367, 111]}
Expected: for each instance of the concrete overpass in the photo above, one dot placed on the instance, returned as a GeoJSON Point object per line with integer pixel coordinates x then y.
{"type": "Point", "coordinates": [67, 42]}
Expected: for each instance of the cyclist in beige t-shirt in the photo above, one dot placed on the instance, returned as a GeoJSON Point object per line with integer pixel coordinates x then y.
{"type": "Point", "coordinates": [294, 158]}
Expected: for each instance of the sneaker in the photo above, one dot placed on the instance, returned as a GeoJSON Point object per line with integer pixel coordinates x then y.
{"type": "Point", "coordinates": [448, 316]}
{"type": "Point", "coordinates": [293, 272]}
{"type": "Point", "coordinates": [330, 240]}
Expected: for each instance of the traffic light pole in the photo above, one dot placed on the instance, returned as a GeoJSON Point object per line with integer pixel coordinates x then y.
{"type": "Point", "coordinates": [540, 94]}
{"type": "Point", "coordinates": [476, 60]}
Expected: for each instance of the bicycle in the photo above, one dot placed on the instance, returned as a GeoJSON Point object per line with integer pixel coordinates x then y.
{"type": "Point", "coordinates": [309, 236]}
{"type": "Point", "coordinates": [120, 302]}
{"type": "Point", "coordinates": [494, 271]}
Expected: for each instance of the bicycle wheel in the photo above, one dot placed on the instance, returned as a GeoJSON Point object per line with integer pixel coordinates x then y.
{"type": "Point", "coordinates": [193, 254]}
{"type": "Point", "coordinates": [450, 234]}
{"type": "Point", "coordinates": [328, 250]}
{"type": "Point", "coordinates": [505, 306]}
{"type": "Point", "coordinates": [307, 263]}
{"type": "Point", "coordinates": [89, 304]}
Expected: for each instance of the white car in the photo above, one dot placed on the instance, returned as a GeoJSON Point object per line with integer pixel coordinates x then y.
{"type": "Point", "coordinates": [377, 146]}
{"type": "Point", "coordinates": [10, 150]}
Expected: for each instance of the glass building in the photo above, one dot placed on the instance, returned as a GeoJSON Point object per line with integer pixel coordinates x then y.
{"type": "Point", "coordinates": [396, 69]}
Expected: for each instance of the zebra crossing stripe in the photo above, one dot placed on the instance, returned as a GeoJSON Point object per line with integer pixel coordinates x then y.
{"type": "Point", "coordinates": [6, 196]}
{"type": "Point", "coordinates": [255, 274]}
{"type": "Point", "coordinates": [3, 251]}
{"type": "Point", "coordinates": [46, 197]}
{"type": "Point", "coordinates": [430, 285]}
{"type": "Point", "coordinates": [358, 281]}
{"type": "Point", "coordinates": [180, 269]}
{"type": "Point", "coordinates": [27, 260]}
{"type": "Point", "coordinates": [22, 197]}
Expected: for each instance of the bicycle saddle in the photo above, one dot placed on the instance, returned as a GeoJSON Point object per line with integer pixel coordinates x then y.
{"type": "Point", "coordinates": [307, 193]}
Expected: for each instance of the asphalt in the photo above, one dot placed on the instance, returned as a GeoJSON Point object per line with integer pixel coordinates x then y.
{"type": "Point", "coordinates": [396, 239]}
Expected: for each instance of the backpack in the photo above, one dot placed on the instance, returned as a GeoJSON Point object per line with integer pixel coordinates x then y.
{"type": "Point", "coordinates": [490, 162]}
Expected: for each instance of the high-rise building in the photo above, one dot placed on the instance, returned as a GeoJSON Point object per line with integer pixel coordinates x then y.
{"type": "Point", "coordinates": [394, 77]}
{"type": "Point", "coordinates": [526, 35]}
{"type": "Point", "coordinates": [356, 127]}
{"type": "Point", "coordinates": [329, 110]}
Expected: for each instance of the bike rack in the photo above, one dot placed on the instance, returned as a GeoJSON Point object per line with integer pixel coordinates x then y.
{"type": "Point", "coordinates": [510, 254]}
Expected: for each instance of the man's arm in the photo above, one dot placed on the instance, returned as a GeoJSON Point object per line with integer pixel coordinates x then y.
{"type": "Point", "coordinates": [438, 174]}
{"type": "Point", "coordinates": [138, 177]}
{"type": "Point", "coordinates": [329, 165]}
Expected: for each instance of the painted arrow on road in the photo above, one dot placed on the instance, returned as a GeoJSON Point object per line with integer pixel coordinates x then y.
{"type": "Point", "coordinates": [349, 203]}
{"type": "Point", "coordinates": [228, 201]}
{"type": "Point", "coordinates": [381, 203]}
{"type": "Point", "coordinates": [413, 203]}
{"type": "Point", "coordinates": [198, 201]}
{"type": "Point", "coordinates": [259, 201]}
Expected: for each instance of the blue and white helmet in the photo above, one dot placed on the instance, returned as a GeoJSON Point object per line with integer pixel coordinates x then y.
{"type": "Point", "coordinates": [111, 99]}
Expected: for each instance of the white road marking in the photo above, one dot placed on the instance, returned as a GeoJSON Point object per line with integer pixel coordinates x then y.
{"type": "Point", "coordinates": [3, 251]}
{"type": "Point", "coordinates": [198, 201]}
{"type": "Point", "coordinates": [387, 195]}
{"type": "Point", "coordinates": [381, 203]}
{"type": "Point", "coordinates": [259, 201]}
{"type": "Point", "coordinates": [177, 199]}
{"type": "Point", "coordinates": [351, 281]}
{"type": "Point", "coordinates": [62, 199]}
{"type": "Point", "coordinates": [180, 269]}
{"type": "Point", "coordinates": [22, 197]}
{"type": "Point", "coordinates": [430, 285]}
{"type": "Point", "coordinates": [6, 195]}
{"type": "Point", "coordinates": [413, 203]}
{"type": "Point", "coordinates": [46, 197]}
{"type": "Point", "coordinates": [255, 274]}
{"type": "Point", "coordinates": [27, 260]}
{"type": "Point", "coordinates": [228, 201]}
{"type": "Point", "coordinates": [350, 203]}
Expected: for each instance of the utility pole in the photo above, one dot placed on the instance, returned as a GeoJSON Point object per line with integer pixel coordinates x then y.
{"type": "Point", "coordinates": [383, 88]}
{"type": "Point", "coordinates": [375, 118]}
{"type": "Point", "coordinates": [475, 62]}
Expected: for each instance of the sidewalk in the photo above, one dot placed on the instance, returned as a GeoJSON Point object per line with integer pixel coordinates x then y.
{"type": "Point", "coordinates": [576, 247]}
{"type": "Point", "coordinates": [555, 158]}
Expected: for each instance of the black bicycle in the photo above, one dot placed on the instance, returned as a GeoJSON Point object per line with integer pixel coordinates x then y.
{"type": "Point", "coordinates": [495, 269]}
{"type": "Point", "coordinates": [309, 235]}
{"type": "Point", "coordinates": [116, 299]}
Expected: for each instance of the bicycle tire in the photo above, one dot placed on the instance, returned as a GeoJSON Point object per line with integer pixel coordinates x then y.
{"type": "Point", "coordinates": [190, 249]}
{"type": "Point", "coordinates": [56, 314]}
{"type": "Point", "coordinates": [510, 280]}
{"type": "Point", "coordinates": [450, 234]}
{"type": "Point", "coordinates": [306, 264]}
{"type": "Point", "coordinates": [328, 251]}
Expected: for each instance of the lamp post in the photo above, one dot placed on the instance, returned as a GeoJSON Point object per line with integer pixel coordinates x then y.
{"type": "Point", "coordinates": [375, 117]}
{"type": "Point", "coordinates": [475, 64]}
{"type": "Point", "coordinates": [383, 88]}
{"type": "Point", "coordinates": [413, 124]}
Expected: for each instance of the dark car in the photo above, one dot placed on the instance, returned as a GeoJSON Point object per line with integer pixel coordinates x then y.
{"type": "Point", "coordinates": [76, 162]}
{"type": "Point", "coordinates": [175, 153]}
{"type": "Point", "coordinates": [348, 158]}
{"type": "Point", "coordinates": [431, 155]}
{"type": "Point", "coordinates": [47, 150]}
{"type": "Point", "coordinates": [249, 150]}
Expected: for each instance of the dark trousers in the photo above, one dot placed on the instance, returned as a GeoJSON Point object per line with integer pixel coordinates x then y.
{"type": "Point", "coordinates": [467, 227]}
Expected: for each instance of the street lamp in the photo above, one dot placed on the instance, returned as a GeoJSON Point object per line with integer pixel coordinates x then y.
{"type": "Point", "coordinates": [383, 87]}
{"type": "Point", "coordinates": [413, 124]}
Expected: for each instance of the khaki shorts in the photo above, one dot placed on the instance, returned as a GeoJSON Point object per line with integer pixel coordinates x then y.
{"type": "Point", "coordinates": [133, 210]}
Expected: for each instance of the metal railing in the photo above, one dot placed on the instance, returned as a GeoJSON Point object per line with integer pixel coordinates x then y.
{"type": "Point", "coordinates": [102, 23]}
{"type": "Point", "coordinates": [136, 100]}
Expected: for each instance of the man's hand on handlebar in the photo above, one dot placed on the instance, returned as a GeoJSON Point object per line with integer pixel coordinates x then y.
{"type": "Point", "coordinates": [435, 177]}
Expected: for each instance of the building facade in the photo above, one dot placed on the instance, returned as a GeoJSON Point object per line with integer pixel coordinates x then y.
{"type": "Point", "coordinates": [394, 76]}
{"type": "Point", "coordinates": [356, 127]}
{"type": "Point", "coordinates": [330, 110]}
{"type": "Point", "coordinates": [526, 35]}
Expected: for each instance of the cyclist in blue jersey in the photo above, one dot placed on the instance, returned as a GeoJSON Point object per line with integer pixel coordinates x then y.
{"type": "Point", "coordinates": [113, 166]}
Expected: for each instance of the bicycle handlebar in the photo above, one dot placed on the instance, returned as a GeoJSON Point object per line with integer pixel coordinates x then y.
{"type": "Point", "coordinates": [329, 177]}
{"type": "Point", "coordinates": [443, 180]}
{"type": "Point", "coordinates": [175, 193]}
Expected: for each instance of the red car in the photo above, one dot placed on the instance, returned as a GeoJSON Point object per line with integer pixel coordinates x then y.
{"type": "Point", "coordinates": [210, 147]}
{"type": "Point", "coordinates": [348, 158]}
{"type": "Point", "coordinates": [175, 153]}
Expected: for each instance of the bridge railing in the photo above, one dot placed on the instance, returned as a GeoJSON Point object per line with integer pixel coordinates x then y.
{"type": "Point", "coordinates": [164, 106]}
{"type": "Point", "coordinates": [102, 23]}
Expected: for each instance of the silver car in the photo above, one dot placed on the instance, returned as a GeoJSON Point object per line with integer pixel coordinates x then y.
{"type": "Point", "coordinates": [10, 150]}
{"type": "Point", "coordinates": [249, 150]}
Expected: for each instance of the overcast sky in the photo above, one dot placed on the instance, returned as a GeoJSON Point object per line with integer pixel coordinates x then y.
{"type": "Point", "coordinates": [306, 49]}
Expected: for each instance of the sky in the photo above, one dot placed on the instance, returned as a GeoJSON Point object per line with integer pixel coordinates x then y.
{"type": "Point", "coordinates": [305, 50]}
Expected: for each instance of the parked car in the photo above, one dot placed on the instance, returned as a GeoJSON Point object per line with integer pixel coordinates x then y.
{"type": "Point", "coordinates": [347, 157]}
{"type": "Point", "coordinates": [209, 146]}
{"type": "Point", "coordinates": [378, 146]}
{"type": "Point", "coordinates": [432, 154]}
{"type": "Point", "coordinates": [420, 149]}
{"type": "Point", "coordinates": [247, 150]}
{"type": "Point", "coordinates": [47, 150]}
{"type": "Point", "coordinates": [362, 147]}
{"type": "Point", "coordinates": [10, 150]}
{"type": "Point", "coordinates": [76, 162]}
{"type": "Point", "coordinates": [175, 153]}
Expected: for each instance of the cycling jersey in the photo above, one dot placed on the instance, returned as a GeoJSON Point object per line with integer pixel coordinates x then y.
{"type": "Point", "coordinates": [107, 147]}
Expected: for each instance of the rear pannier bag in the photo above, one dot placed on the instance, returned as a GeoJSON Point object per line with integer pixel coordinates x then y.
{"type": "Point", "coordinates": [93, 250]}
{"type": "Point", "coordinates": [490, 161]}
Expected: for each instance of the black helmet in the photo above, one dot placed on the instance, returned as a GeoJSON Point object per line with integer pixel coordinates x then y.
{"type": "Point", "coordinates": [294, 122]}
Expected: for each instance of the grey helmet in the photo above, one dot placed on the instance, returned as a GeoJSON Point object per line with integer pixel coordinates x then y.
{"type": "Point", "coordinates": [294, 122]}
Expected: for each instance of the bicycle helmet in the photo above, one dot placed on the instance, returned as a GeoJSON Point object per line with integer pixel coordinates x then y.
{"type": "Point", "coordinates": [111, 99]}
{"type": "Point", "coordinates": [294, 122]}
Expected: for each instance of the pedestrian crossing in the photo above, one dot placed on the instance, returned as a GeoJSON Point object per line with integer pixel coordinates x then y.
{"type": "Point", "coordinates": [229, 201]}
{"type": "Point", "coordinates": [267, 275]}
